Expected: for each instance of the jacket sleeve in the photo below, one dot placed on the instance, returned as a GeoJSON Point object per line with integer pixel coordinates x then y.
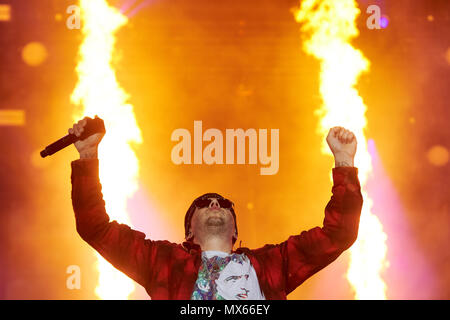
{"type": "Point", "coordinates": [124, 248]}
{"type": "Point", "coordinates": [305, 254]}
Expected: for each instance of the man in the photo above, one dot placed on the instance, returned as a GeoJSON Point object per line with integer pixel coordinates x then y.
{"type": "Point", "coordinates": [205, 266]}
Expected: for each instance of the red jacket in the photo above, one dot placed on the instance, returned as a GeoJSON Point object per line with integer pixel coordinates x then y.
{"type": "Point", "coordinates": [168, 270]}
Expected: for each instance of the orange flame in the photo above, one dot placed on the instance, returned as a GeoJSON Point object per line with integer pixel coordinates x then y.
{"type": "Point", "coordinates": [100, 94]}
{"type": "Point", "coordinates": [330, 26]}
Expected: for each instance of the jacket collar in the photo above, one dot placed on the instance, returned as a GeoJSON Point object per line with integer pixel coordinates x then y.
{"type": "Point", "coordinates": [193, 248]}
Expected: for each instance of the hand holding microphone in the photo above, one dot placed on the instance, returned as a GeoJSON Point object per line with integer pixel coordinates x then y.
{"type": "Point", "coordinates": [87, 147]}
{"type": "Point", "coordinates": [86, 134]}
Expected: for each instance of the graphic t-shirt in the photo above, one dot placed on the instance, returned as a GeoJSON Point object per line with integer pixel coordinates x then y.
{"type": "Point", "coordinates": [224, 276]}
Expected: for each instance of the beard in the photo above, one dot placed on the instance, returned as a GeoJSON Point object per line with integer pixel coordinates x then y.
{"type": "Point", "coordinates": [215, 226]}
{"type": "Point", "coordinates": [215, 221]}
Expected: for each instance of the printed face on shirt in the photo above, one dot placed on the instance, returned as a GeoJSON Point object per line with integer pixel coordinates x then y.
{"type": "Point", "coordinates": [212, 220]}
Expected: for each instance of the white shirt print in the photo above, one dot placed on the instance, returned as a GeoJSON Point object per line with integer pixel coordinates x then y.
{"type": "Point", "coordinates": [238, 280]}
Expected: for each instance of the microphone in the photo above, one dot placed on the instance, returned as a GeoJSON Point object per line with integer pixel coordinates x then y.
{"type": "Point", "coordinates": [92, 126]}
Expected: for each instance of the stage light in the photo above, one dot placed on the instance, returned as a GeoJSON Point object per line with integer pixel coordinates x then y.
{"type": "Point", "coordinates": [12, 117]}
{"type": "Point", "coordinates": [34, 54]}
{"type": "Point", "coordinates": [384, 21]}
{"type": "Point", "coordinates": [438, 155]}
{"type": "Point", "coordinates": [5, 12]}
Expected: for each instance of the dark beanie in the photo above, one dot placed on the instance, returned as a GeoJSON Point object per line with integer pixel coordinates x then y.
{"type": "Point", "coordinates": [191, 210]}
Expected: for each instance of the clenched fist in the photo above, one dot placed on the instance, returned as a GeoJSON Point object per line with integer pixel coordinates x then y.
{"type": "Point", "coordinates": [342, 143]}
{"type": "Point", "coordinates": [88, 147]}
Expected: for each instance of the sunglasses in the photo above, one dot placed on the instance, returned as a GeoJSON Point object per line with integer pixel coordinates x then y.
{"type": "Point", "coordinates": [224, 203]}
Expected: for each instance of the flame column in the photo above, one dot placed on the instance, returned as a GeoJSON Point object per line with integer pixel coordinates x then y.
{"type": "Point", "coordinates": [98, 93]}
{"type": "Point", "coordinates": [328, 27]}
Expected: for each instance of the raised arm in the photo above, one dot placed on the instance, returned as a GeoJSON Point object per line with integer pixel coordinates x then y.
{"type": "Point", "coordinates": [298, 258]}
{"type": "Point", "coordinates": [305, 254]}
{"type": "Point", "coordinates": [126, 249]}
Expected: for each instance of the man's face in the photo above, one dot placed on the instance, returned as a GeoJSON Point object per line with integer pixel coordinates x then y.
{"type": "Point", "coordinates": [212, 220]}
